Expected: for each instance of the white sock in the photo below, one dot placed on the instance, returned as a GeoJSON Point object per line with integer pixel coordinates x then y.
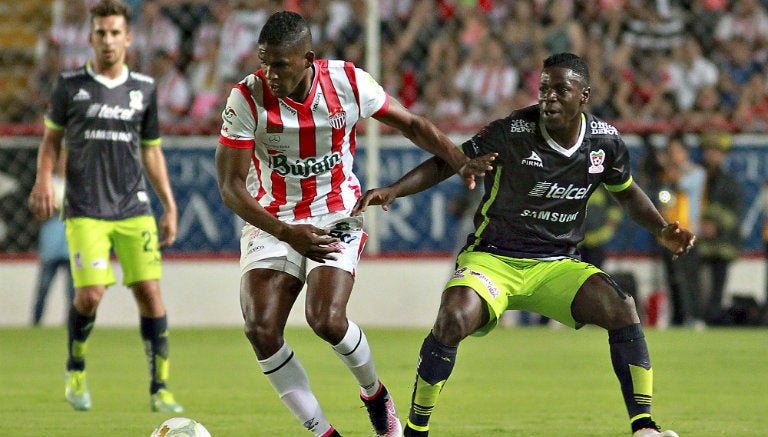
{"type": "Point", "coordinates": [354, 351]}
{"type": "Point", "coordinates": [290, 381]}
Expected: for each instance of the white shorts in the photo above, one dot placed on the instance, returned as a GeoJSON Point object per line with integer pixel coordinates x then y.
{"type": "Point", "coordinates": [261, 250]}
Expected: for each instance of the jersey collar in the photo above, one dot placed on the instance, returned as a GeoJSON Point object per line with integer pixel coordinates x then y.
{"type": "Point", "coordinates": [104, 80]}
{"type": "Point", "coordinates": [562, 150]}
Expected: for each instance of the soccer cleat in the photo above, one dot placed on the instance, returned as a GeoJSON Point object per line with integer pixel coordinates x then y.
{"type": "Point", "coordinates": [381, 410]}
{"type": "Point", "coordinates": [76, 390]}
{"type": "Point", "coordinates": [650, 432]}
{"type": "Point", "coordinates": [163, 401]}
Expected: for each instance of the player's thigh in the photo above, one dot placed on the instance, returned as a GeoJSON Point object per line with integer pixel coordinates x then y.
{"type": "Point", "coordinates": [554, 286]}
{"type": "Point", "coordinates": [491, 278]}
{"type": "Point", "coordinates": [89, 251]}
{"type": "Point", "coordinates": [137, 248]}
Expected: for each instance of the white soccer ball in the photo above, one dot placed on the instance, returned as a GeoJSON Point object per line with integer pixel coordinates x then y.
{"type": "Point", "coordinates": [180, 427]}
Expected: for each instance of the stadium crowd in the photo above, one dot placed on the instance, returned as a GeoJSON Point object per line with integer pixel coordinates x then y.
{"type": "Point", "coordinates": [663, 65]}
{"type": "Point", "coordinates": [658, 66]}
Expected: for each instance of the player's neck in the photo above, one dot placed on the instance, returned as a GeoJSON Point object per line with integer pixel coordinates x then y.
{"type": "Point", "coordinates": [111, 71]}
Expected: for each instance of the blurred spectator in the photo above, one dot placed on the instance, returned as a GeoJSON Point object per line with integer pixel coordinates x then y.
{"type": "Point", "coordinates": [707, 112]}
{"type": "Point", "coordinates": [151, 33]}
{"type": "Point", "coordinates": [680, 200]}
{"type": "Point", "coordinates": [70, 35]}
{"type": "Point", "coordinates": [486, 78]}
{"type": "Point", "coordinates": [561, 32]}
{"type": "Point", "coordinates": [719, 238]}
{"type": "Point", "coordinates": [53, 252]}
{"type": "Point", "coordinates": [689, 72]}
{"type": "Point", "coordinates": [746, 20]}
{"type": "Point", "coordinates": [188, 16]}
{"type": "Point", "coordinates": [40, 85]}
{"type": "Point", "coordinates": [643, 81]}
{"type": "Point", "coordinates": [752, 106]}
{"type": "Point", "coordinates": [173, 93]}
{"type": "Point", "coordinates": [602, 219]}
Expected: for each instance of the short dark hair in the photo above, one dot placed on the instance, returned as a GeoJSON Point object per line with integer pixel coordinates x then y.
{"type": "Point", "coordinates": [108, 8]}
{"type": "Point", "coordinates": [570, 61]}
{"type": "Point", "coordinates": [284, 28]}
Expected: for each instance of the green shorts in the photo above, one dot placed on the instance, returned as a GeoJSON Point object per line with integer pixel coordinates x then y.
{"type": "Point", "coordinates": [544, 287]}
{"type": "Point", "coordinates": [134, 241]}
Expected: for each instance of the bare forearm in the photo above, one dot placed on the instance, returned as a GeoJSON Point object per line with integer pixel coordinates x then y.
{"type": "Point", "coordinates": [640, 209]}
{"type": "Point", "coordinates": [428, 174]}
{"type": "Point", "coordinates": [428, 137]}
{"type": "Point", "coordinates": [157, 173]}
{"type": "Point", "coordinates": [240, 201]}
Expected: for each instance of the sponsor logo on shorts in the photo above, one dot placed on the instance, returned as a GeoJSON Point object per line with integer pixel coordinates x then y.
{"type": "Point", "coordinates": [459, 274]}
{"type": "Point", "coordinates": [100, 264]}
{"type": "Point", "coordinates": [487, 283]}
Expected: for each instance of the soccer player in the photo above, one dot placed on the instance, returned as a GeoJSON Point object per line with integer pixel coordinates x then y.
{"type": "Point", "coordinates": [107, 116]}
{"type": "Point", "coordinates": [549, 158]}
{"type": "Point", "coordinates": [284, 164]}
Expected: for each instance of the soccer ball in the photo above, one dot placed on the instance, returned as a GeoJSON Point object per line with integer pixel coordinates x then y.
{"type": "Point", "coordinates": [180, 427]}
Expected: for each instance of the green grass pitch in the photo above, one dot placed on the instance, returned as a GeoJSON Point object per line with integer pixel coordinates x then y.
{"type": "Point", "coordinates": [533, 382]}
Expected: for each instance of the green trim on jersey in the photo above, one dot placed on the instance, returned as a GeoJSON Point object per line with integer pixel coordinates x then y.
{"type": "Point", "coordinates": [617, 188]}
{"type": "Point", "coordinates": [154, 142]}
{"type": "Point", "coordinates": [486, 205]}
{"type": "Point", "coordinates": [50, 124]}
{"type": "Point", "coordinates": [546, 287]}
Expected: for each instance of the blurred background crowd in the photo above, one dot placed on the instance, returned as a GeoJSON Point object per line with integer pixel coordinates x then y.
{"type": "Point", "coordinates": [657, 65]}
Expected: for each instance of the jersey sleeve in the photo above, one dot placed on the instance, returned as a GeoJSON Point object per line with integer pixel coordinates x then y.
{"type": "Point", "coordinates": [618, 176]}
{"type": "Point", "coordinates": [56, 117]}
{"type": "Point", "coordinates": [150, 125]}
{"type": "Point", "coordinates": [373, 99]}
{"type": "Point", "coordinates": [238, 119]}
{"type": "Point", "coordinates": [484, 141]}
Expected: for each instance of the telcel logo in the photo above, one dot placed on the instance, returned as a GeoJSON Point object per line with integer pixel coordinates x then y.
{"type": "Point", "coordinates": [551, 190]}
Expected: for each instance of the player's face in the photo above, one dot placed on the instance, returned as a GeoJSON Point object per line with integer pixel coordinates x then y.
{"type": "Point", "coordinates": [285, 69]}
{"type": "Point", "coordinates": [109, 38]}
{"type": "Point", "coordinates": [562, 94]}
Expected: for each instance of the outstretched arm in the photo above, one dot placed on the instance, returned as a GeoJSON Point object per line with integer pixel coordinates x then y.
{"type": "Point", "coordinates": [427, 136]}
{"type": "Point", "coordinates": [428, 174]}
{"type": "Point", "coordinates": [640, 209]}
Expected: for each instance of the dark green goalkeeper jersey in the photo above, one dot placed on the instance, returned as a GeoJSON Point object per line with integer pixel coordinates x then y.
{"type": "Point", "coordinates": [536, 196]}
{"type": "Point", "coordinates": [107, 121]}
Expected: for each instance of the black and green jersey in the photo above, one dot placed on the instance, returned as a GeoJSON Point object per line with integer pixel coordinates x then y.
{"type": "Point", "coordinates": [536, 196]}
{"type": "Point", "coordinates": [107, 121]}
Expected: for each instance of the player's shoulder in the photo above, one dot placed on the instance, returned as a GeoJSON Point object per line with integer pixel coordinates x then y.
{"type": "Point", "coordinates": [141, 77]}
{"type": "Point", "coordinates": [521, 121]}
{"type": "Point", "coordinates": [598, 128]}
{"type": "Point", "coordinates": [71, 75]}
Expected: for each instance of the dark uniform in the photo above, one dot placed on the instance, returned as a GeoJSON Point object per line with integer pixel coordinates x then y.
{"type": "Point", "coordinates": [532, 214]}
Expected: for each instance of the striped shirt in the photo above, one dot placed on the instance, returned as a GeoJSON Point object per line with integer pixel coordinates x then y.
{"type": "Point", "coordinates": [303, 151]}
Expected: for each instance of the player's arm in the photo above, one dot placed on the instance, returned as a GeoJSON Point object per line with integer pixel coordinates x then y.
{"type": "Point", "coordinates": [42, 201]}
{"type": "Point", "coordinates": [157, 172]}
{"type": "Point", "coordinates": [426, 175]}
{"type": "Point", "coordinates": [232, 166]}
{"type": "Point", "coordinates": [427, 136]}
{"type": "Point", "coordinates": [640, 209]}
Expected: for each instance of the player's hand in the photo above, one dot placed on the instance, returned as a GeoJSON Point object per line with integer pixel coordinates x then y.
{"type": "Point", "coordinates": [676, 239]}
{"type": "Point", "coordinates": [167, 228]}
{"type": "Point", "coordinates": [312, 242]}
{"type": "Point", "coordinates": [476, 167]}
{"type": "Point", "coordinates": [378, 196]}
{"type": "Point", "coordinates": [42, 201]}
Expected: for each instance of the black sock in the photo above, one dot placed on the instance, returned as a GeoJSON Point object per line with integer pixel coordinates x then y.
{"type": "Point", "coordinates": [79, 327]}
{"type": "Point", "coordinates": [632, 365]}
{"type": "Point", "coordinates": [436, 363]}
{"type": "Point", "coordinates": [154, 332]}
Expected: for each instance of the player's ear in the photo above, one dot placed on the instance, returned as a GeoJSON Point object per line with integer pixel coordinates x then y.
{"type": "Point", "coordinates": [309, 58]}
{"type": "Point", "coordinates": [585, 95]}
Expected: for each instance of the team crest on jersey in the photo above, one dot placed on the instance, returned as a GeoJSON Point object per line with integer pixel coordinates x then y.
{"type": "Point", "coordinates": [597, 158]}
{"type": "Point", "coordinates": [137, 100]}
{"type": "Point", "coordinates": [338, 119]}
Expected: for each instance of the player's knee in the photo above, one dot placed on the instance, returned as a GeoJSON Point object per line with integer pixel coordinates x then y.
{"type": "Point", "coordinates": [329, 326]}
{"type": "Point", "coordinates": [262, 336]}
{"type": "Point", "coordinates": [451, 326]}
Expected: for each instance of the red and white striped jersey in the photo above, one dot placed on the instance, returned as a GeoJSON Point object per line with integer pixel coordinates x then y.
{"type": "Point", "coordinates": [303, 151]}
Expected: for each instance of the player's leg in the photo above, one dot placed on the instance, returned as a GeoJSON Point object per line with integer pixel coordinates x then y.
{"type": "Point", "coordinates": [89, 248]}
{"type": "Point", "coordinates": [600, 301]}
{"type": "Point", "coordinates": [137, 249]}
{"type": "Point", "coordinates": [462, 311]}
{"type": "Point", "coordinates": [44, 279]}
{"type": "Point", "coordinates": [329, 287]}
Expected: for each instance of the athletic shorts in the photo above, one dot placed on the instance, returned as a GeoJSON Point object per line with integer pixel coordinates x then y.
{"type": "Point", "coordinates": [543, 287]}
{"type": "Point", "coordinates": [133, 240]}
{"type": "Point", "coordinates": [261, 250]}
